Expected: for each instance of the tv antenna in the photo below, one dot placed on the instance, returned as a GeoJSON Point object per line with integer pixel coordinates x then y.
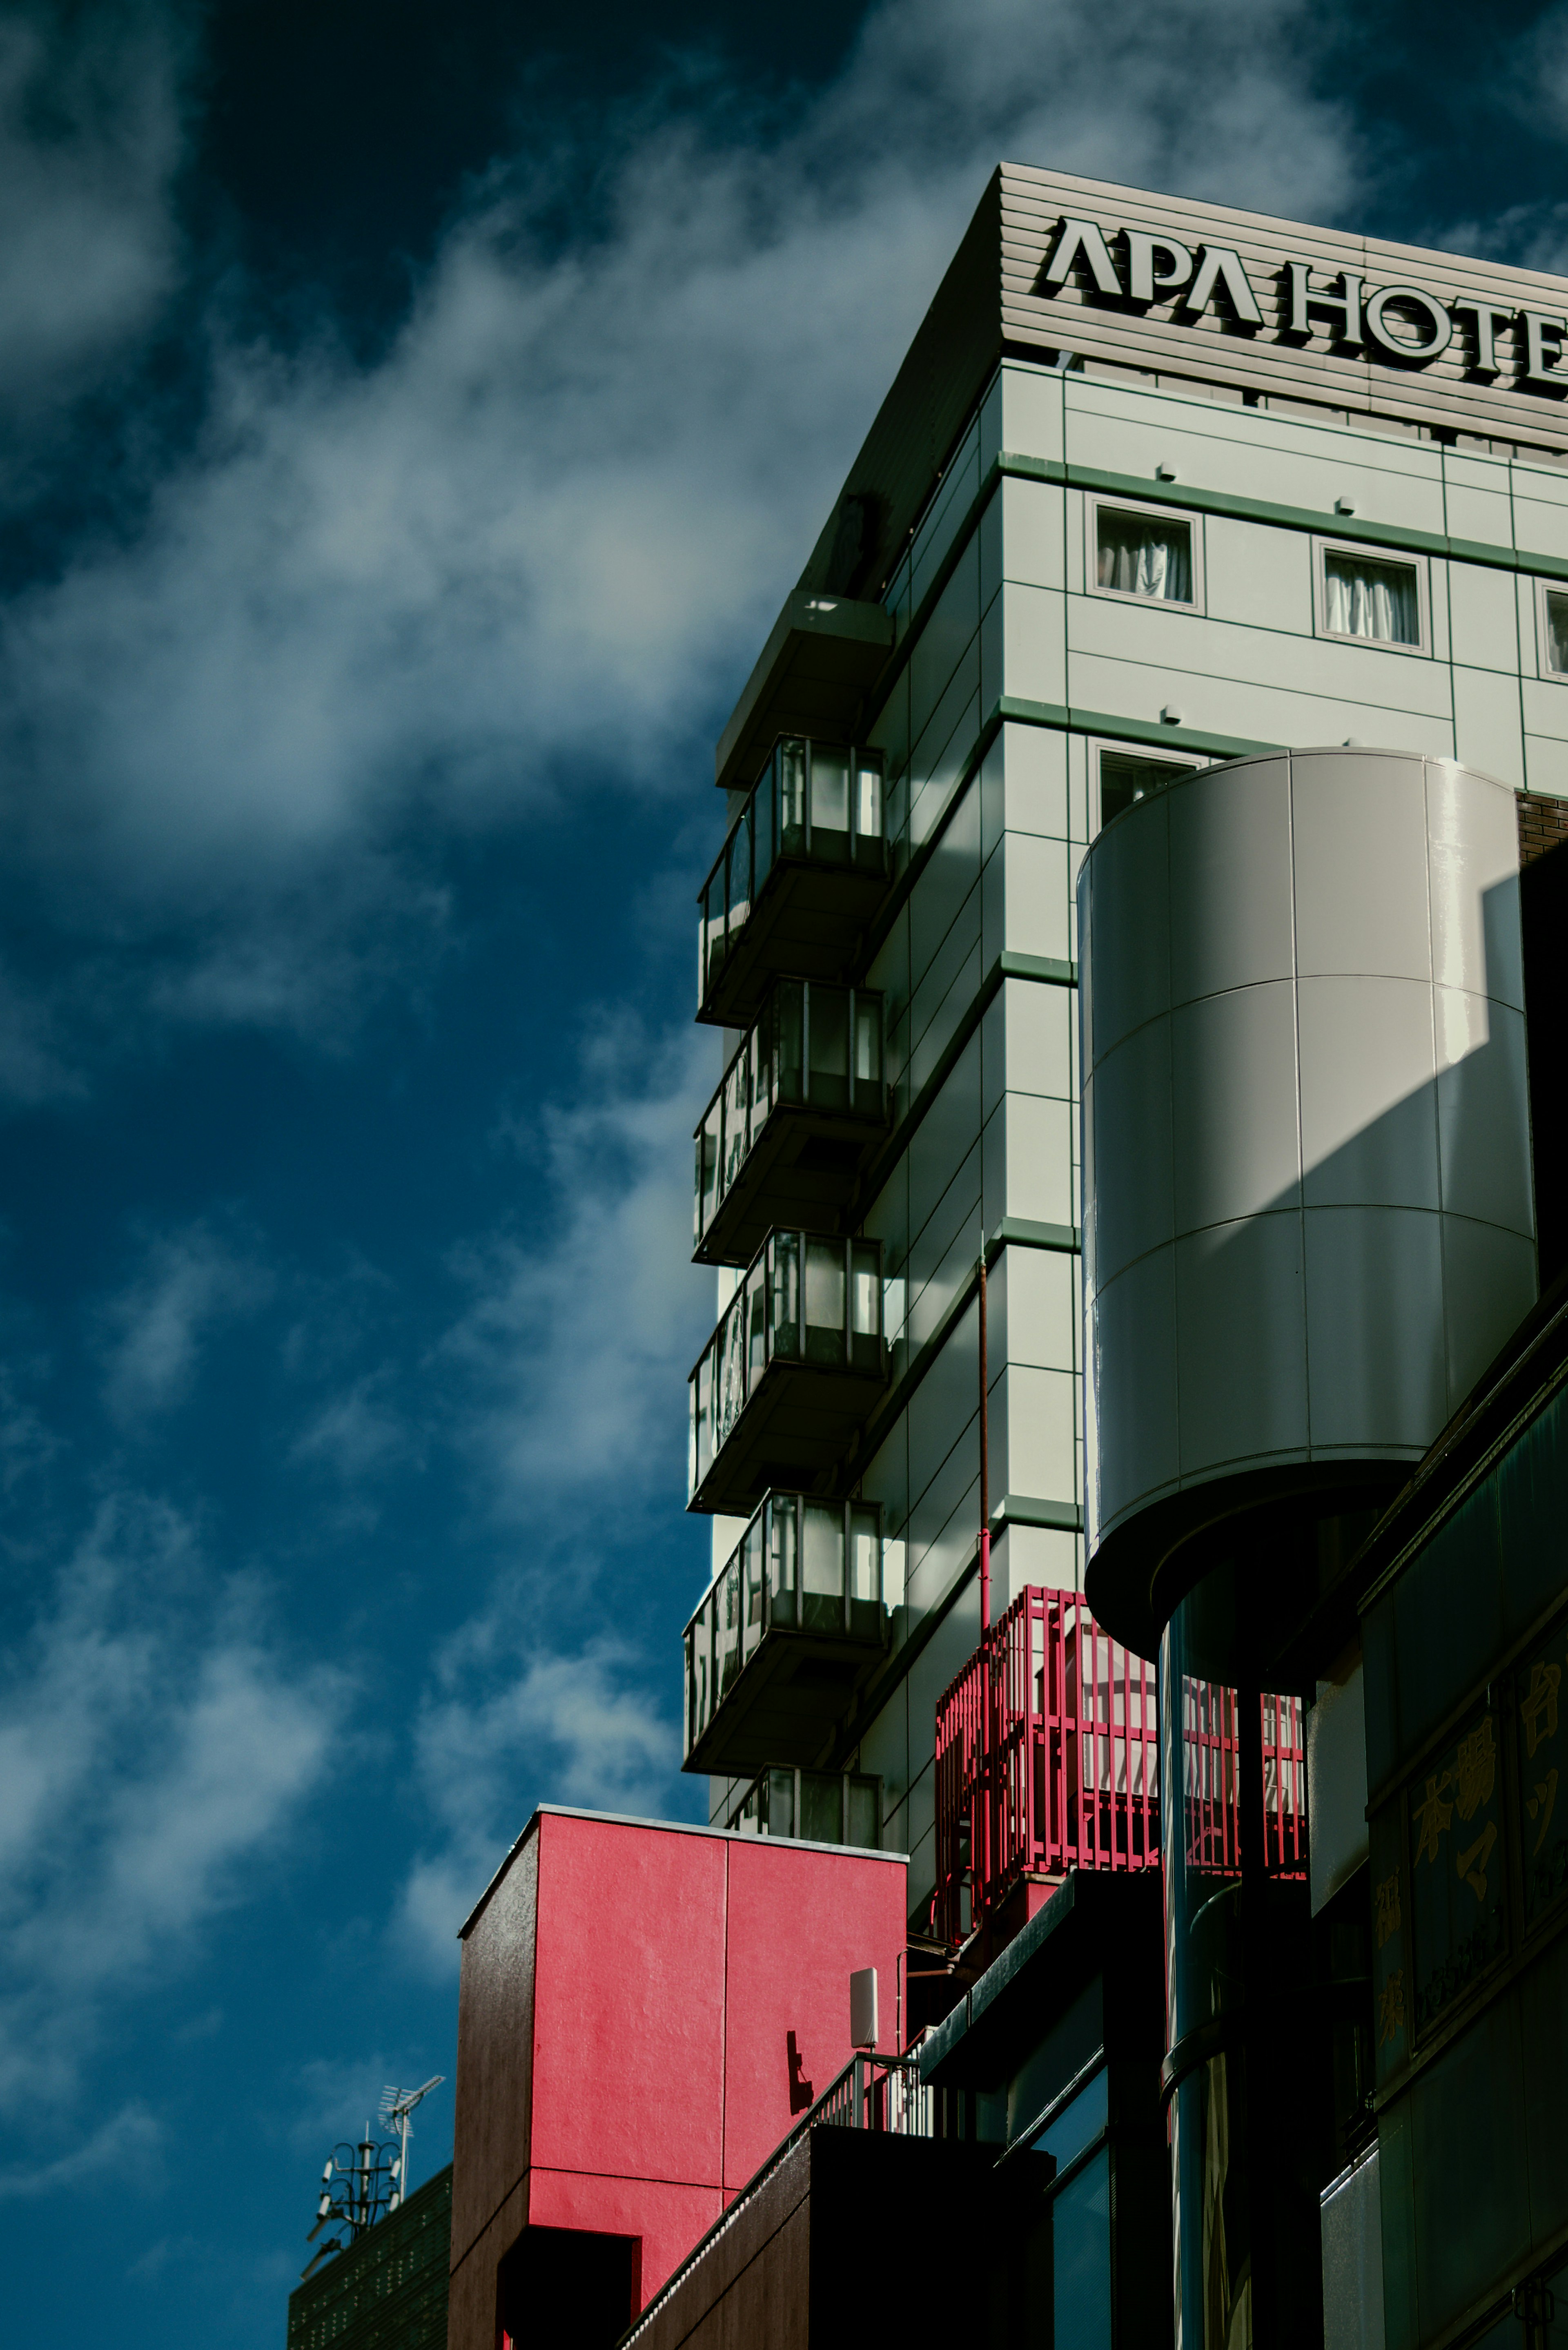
{"type": "Point", "coordinates": [397, 2104]}
{"type": "Point", "coordinates": [360, 2184]}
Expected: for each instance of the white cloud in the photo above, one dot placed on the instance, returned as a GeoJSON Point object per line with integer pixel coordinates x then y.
{"type": "Point", "coordinates": [151, 1740]}
{"type": "Point", "coordinates": [90, 139]}
{"type": "Point", "coordinates": [576, 1346]}
{"type": "Point", "coordinates": [127, 2144]}
{"type": "Point", "coordinates": [548, 522]}
{"type": "Point", "coordinates": [510, 1723]}
{"type": "Point", "coordinates": [151, 1333]}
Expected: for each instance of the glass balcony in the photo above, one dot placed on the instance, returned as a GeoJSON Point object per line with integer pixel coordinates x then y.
{"type": "Point", "coordinates": [819, 1806]}
{"type": "Point", "coordinates": [803, 871]}
{"type": "Point", "coordinates": [797, 1113]}
{"type": "Point", "coordinates": [792, 1371]}
{"type": "Point", "coordinates": [792, 1625]}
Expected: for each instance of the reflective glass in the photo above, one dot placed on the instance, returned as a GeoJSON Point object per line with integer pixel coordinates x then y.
{"type": "Point", "coordinates": [822, 1566]}
{"type": "Point", "coordinates": [781, 1564]}
{"type": "Point", "coordinates": [825, 1300]}
{"type": "Point", "coordinates": [867, 1302]}
{"type": "Point", "coordinates": [1081, 2259]}
{"type": "Point", "coordinates": [829, 1023]}
{"type": "Point", "coordinates": [791, 771]}
{"type": "Point", "coordinates": [829, 801]}
{"type": "Point", "coordinates": [1125, 778]}
{"type": "Point", "coordinates": [707, 1171]}
{"type": "Point", "coordinates": [784, 1308]}
{"type": "Point", "coordinates": [736, 1120]}
{"type": "Point", "coordinates": [822, 1806]}
{"type": "Point", "coordinates": [865, 1554]}
{"type": "Point", "coordinates": [780, 1785]}
{"type": "Point", "coordinates": [764, 820]}
{"type": "Point", "coordinates": [1077, 2124]}
{"type": "Point", "coordinates": [757, 1325]}
{"type": "Point", "coordinates": [740, 874]}
{"type": "Point", "coordinates": [789, 1011]}
{"type": "Point", "coordinates": [752, 1546]}
{"type": "Point", "coordinates": [729, 1629]}
{"type": "Point", "coordinates": [868, 800]}
{"type": "Point", "coordinates": [867, 1047]}
{"type": "Point", "coordinates": [863, 1827]}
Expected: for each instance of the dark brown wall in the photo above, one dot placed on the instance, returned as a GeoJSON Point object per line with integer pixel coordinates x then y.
{"type": "Point", "coordinates": [494, 2068]}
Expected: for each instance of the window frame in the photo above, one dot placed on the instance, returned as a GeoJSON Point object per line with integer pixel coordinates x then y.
{"type": "Point", "coordinates": [1095, 505]}
{"type": "Point", "coordinates": [1180, 763]}
{"type": "Point", "coordinates": [1359, 551]}
{"type": "Point", "coordinates": [1545, 588]}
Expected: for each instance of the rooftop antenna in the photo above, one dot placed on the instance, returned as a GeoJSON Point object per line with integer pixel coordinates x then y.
{"type": "Point", "coordinates": [360, 2184]}
{"type": "Point", "coordinates": [397, 2104]}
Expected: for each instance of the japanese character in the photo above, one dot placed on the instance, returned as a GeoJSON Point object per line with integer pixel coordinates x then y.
{"type": "Point", "coordinates": [1434, 1816]}
{"type": "Point", "coordinates": [1539, 1698]}
{"type": "Point", "coordinates": [1544, 1800]}
{"type": "Point", "coordinates": [1480, 1852]}
{"type": "Point", "coordinates": [1474, 1770]}
{"type": "Point", "coordinates": [1391, 2008]}
{"type": "Point", "coordinates": [1387, 1908]}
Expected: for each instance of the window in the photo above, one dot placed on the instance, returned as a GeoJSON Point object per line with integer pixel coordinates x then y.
{"type": "Point", "coordinates": [1122, 775]}
{"type": "Point", "coordinates": [1145, 555]}
{"type": "Point", "coordinates": [1554, 632]}
{"type": "Point", "coordinates": [1372, 598]}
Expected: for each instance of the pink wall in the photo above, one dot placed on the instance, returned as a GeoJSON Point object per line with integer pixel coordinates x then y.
{"type": "Point", "coordinates": [669, 1968]}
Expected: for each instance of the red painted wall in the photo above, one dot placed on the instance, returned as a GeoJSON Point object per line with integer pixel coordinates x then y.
{"type": "Point", "coordinates": [650, 2000]}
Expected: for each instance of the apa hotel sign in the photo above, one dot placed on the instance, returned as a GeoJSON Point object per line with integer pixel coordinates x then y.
{"type": "Point", "coordinates": [1406, 326]}
{"type": "Point", "coordinates": [1283, 308]}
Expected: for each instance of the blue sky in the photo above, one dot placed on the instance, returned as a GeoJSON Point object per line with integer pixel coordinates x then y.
{"type": "Point", "coordinates": [412, 417]}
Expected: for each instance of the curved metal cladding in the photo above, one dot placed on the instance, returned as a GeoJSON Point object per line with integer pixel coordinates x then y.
{"type": "Point", "coordinates": [1308, 1220]}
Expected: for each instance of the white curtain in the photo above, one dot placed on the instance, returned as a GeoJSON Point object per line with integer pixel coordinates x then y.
{"type": "Point", "coordinates": [1372, 600]}
{"type": "Point", "coordinates": [1145, 559]}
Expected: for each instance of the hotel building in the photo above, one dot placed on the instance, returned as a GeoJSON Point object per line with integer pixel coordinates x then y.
{"type": "Point", "coordinates": [1135, 1165]}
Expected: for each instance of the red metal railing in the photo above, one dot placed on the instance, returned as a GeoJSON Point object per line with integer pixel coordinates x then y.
{"type": "Point", "coordinates": [1047, 1759]}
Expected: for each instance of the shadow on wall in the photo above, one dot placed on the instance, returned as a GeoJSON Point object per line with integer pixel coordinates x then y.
{"type": "Point", "coordinates": [1309, 1220]}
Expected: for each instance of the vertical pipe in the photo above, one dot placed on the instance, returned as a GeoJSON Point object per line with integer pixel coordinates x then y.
{"type": "Point", "coordinates": [984, 1461]}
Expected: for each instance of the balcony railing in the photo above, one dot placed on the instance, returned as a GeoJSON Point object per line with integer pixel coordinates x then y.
{"type": "Point", "coordinates": [1047, 1759]}
{"type": "Point", "coordinates": [798, 1111]}
{"type": "Point", "coordinates": [802, 871]}
{"type": "Point", "coordinates": [788, 1629]}
{"type": "Point", "coordinates": [792, 1371]}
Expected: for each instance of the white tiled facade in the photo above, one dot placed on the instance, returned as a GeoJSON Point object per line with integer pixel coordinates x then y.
{"type": "Point", "coordinates": [1006, 683]}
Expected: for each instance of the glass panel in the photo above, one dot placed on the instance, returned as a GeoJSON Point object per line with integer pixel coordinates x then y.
{"type": "Point", "coordinates": [1372, 598]}
{"type": "Point", "coordinates": [1458, 1925]}
{"type": "Point", "coordinates": [737, 1123]}
{"type": "Point", "coordinates": [867, 1052]}
{"type": "Point", "coordinates": [693, 1721]}
{"type": "Point", "coordinates": [710, 932]}
{"type": "Point", "coordinates": [707, 1170]}
{"type": "Point", "coordinates": [1543, 1768]}
{"type": "Point", "coordinates": [782, 1574]}
{"type": "Point", "coordinates": [740, 874]}
{"type": "Point", "coordinates": [869, 798]}
{"type": "Point", "coordinates": [699, 1449]}
{"type": "Point", "coordinates": [783, 1305]}
{"type": "Point", "coordinates": [757, 1324]}
{"type": "Point", "coordinates": [731, 1373]}
{"type": "Point", "coordinates": [1557, 634]}
{"type": "Point", "coordinates": [863, 1827]}
{"type": "Point", "coordinates": [825, 1300]}
{"type": "Point", "coordinates": [864, 1573]}
{"type": "Point", "coordinates": [828, 1082]}
{"type": "Point", "coordinates": [867, 1296]}
{"type": "Point", "coordinates": [822, 1806]}
{"type": "Point", "coordinates": [1080, 2234]}
{"type": "Point", "coordinates": [1076, 2124]}
{"type": "Point", "coordinates": [780, 1785]}
{"type": "Point", "coordinates": [822, 1566]}
{"type": "Point", "coordinates": [789, 1010]}
{"type": "Point", "coordinates": [790, 770]}
{"type": "Point", "coordinates": [764, 819]}
{"type": "Point", "coordinates": [829, 803]}
{"type": "Point", "coordinates": [1145, 555]}
{"type": "Point", "coordinates": [1125, 778]}
{"type": "Point", "coordinates": [754, 1562]}
{"type": "Point", "coordinates": [729, 1596]}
